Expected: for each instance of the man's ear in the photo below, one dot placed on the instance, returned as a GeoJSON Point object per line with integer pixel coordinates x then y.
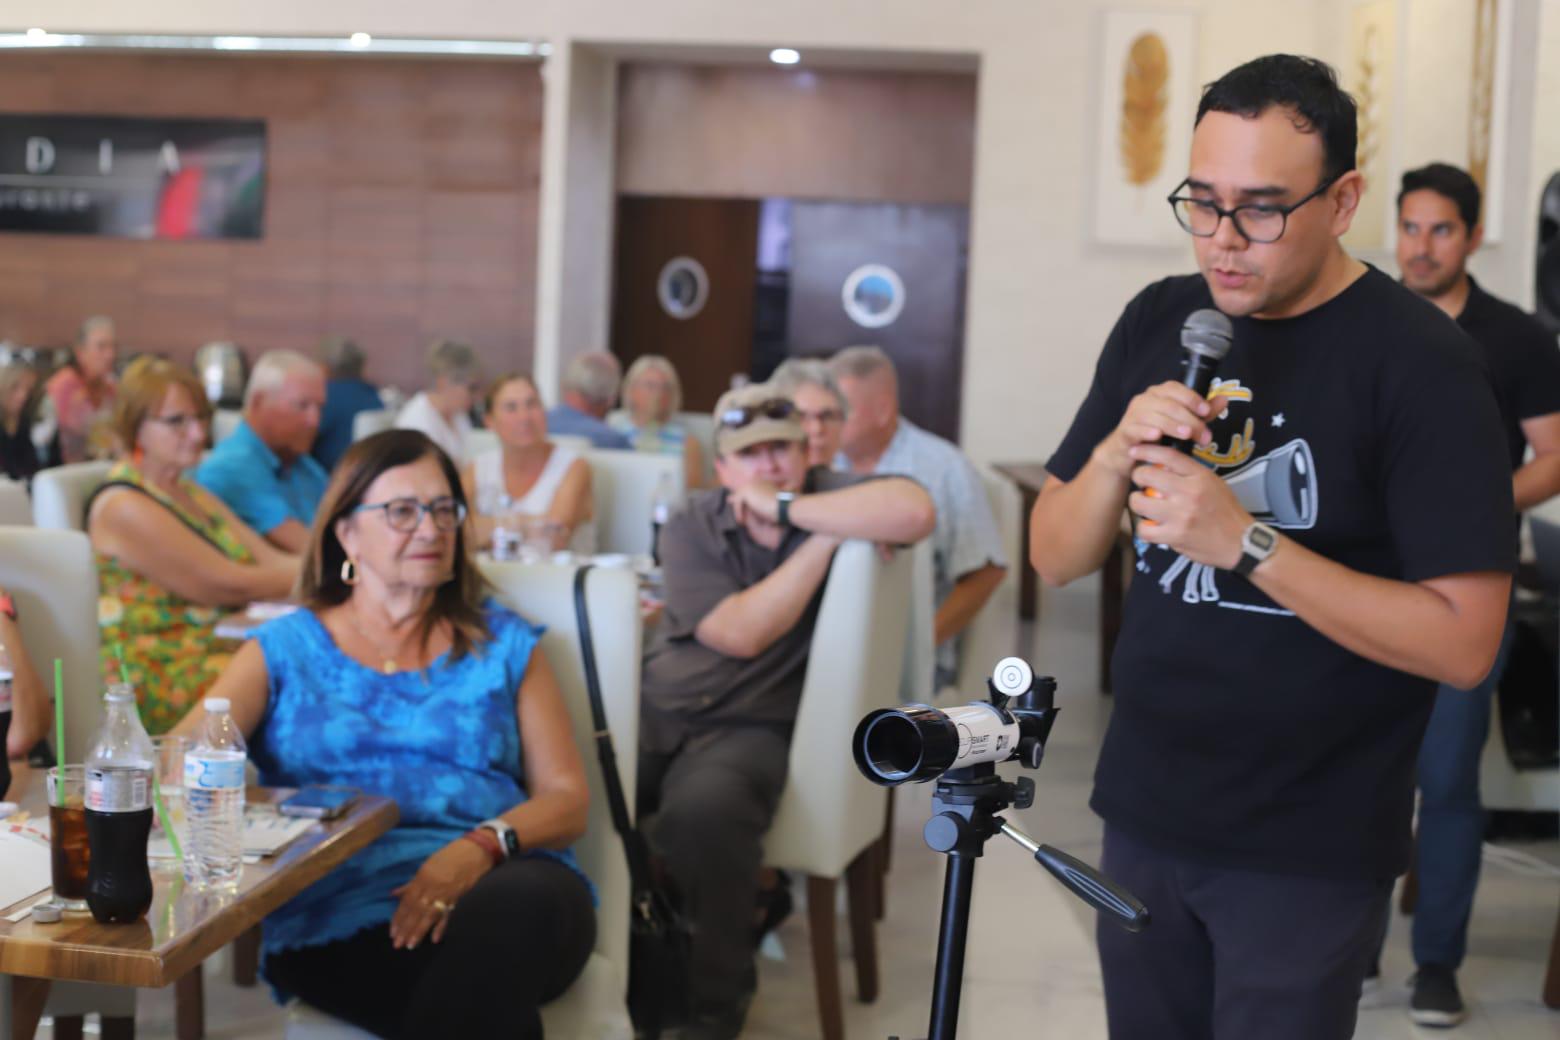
{"type": "Point", "coordinates": [1476, 239]}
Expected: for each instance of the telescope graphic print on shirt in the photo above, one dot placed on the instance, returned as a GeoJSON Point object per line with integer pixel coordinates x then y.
{"type": "Point", "coordinates": [1278, 488]}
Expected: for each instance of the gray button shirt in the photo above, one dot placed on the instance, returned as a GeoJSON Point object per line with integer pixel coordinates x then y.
{"type": "Point", "coordinates": [705, 557]}
{"type": "Point", "coordinates": [967, 537]}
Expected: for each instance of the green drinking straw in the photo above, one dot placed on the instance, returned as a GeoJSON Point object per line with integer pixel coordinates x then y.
{"type": "Point", "coordinates": [59, 726]}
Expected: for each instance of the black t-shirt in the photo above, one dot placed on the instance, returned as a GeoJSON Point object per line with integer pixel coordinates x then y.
{"type": "Point", "coordinates": [1365, 429]}
{"type": "Point", "coordinates": [18, 457]}
{"type": "Point", "coordinates": [1524, 362]}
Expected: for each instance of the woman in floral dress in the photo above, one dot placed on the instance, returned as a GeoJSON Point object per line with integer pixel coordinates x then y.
{"type": "Point", "coordinates": [171, 557]}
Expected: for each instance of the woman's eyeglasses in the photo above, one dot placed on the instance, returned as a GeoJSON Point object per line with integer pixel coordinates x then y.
{"type": "Point", "coordinates": [775, 408]}
{"type": "Point", "coordinates": [404, 514]}
{"type": "Point", "coordinates": [178, 423]}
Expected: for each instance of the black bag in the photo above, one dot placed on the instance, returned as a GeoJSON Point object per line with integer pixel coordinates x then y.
{"type": "Point", "coordinates": [659, 936]}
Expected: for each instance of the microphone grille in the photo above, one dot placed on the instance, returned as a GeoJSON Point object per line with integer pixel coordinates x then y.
{"type": "Point", "coordinates": [1209, 333]}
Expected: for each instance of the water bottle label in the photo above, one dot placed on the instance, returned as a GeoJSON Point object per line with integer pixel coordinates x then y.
{"type": "Point", "coordinates": [118, 790]}
{"type": "Point", "coordinates": [212, 774]}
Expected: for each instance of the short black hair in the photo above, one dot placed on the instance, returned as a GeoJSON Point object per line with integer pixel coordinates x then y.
{"type": "Point", "coordinates": [1307, 87]}
{"type": "Point", "coordinates": [1448, 180]}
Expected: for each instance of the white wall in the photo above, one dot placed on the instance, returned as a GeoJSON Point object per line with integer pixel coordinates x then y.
{"type": "Point", "coordinates": [1042, 295]}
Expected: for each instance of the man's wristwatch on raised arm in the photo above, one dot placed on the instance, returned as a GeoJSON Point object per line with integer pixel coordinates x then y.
{"type": "Point", "coordinates": [1256, 544]}
{"type": "Point", "coordinates": [785, 498]}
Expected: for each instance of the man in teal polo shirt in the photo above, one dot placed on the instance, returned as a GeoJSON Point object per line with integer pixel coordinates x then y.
{"type": "Point", "coordinates": [263, 470]}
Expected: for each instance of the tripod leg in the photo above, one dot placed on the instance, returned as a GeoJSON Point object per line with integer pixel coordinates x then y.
{"type": "Point", "coordinates": [958, 885]}
{"type": "Point", "coordinates": [825, 954]}
{"type": "Point", "coordinates": [861, 879]}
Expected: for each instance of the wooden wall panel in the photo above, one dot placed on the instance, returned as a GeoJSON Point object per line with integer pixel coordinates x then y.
{"type": "Point", "coordinates": [401, 206]}
{"type": "Point", "coordinates": [734, 132]}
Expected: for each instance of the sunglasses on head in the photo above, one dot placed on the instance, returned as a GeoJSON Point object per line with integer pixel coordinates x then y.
{"type": "Point", "coordinates": [774, 408]}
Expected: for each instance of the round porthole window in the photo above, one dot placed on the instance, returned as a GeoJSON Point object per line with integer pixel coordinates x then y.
{"type": "Point", "coordinates": [874, 296]}
{"type": "Point", "coordinates": [683, 287]}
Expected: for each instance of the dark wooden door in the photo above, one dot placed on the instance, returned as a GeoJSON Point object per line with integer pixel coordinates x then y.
{"type": "Point", "coordinates": [925, 247]}
{"type": "Point", "coordinates": [707, 347]}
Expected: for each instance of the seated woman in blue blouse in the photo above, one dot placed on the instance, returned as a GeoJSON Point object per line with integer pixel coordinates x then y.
{"type": "Point", "coordinates": [403, 678]}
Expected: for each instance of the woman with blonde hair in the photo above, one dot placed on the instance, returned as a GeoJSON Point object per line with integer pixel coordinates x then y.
{"type": "Point", "coordinates": [18, 454]}
{"type": "Point", "coordinates": [652, 397]}
{"type": "Point", "coordinates": [171, 557]}
{"type": "Point", "coordinates": [528, 475]}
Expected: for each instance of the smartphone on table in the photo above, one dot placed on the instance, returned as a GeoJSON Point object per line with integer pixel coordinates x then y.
{"type": "Point", "coordinates": [319, 802]}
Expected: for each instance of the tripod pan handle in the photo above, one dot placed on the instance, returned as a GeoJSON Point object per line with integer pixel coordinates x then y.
{"type": "Point", "coordinates": [1094, 888]}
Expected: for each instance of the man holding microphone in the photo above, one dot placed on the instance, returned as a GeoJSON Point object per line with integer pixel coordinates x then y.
{"type": "Point", "coordinates": [1335, 544]}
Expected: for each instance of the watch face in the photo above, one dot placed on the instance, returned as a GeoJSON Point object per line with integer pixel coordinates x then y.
{"type": "Point", "coordinates": [1262, 538]}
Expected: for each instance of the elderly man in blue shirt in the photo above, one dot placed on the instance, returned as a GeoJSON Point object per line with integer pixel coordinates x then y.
{"type": "Point", "coordinates": [263, 470]}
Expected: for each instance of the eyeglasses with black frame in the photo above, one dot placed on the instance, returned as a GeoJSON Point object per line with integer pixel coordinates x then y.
{"type": "Point", "coordinates": [1260, 222]}
{"type": "Point", "coordinates": [774, 408]}
{"type": "Point", "coordinates": [404, 514]}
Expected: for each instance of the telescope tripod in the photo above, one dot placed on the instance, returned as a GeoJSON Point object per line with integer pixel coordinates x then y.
{"type": "Point", "coordinates": [965, 807]}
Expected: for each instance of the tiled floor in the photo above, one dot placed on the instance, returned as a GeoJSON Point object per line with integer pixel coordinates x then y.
{"type": "Point", "coordinates": [1031, 970]}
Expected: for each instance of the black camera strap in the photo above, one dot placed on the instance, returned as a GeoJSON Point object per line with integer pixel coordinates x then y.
{"type": "Point", "coordinates": [633, 842]}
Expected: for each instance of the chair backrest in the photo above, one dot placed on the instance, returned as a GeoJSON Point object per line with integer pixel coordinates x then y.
{"type": "Point", "coordinates": [829, 811]}
{"type": "Point", "coordinates": [992, 634]}
{"type": "Point", "coordinates": [15, 504]}
{"type": "Point", "coordinates": [375, 420]}
{"type": "Point", "coordinates": [52, 576]}
{"type": "Point", "coordinates": [223, 422]}
{"type": "Point", "coordinates": [60, 494]}
{"type": "Point", "coordinates": [701, 428]}
{"type": "Point", "coordinates": [623, 484]}
{"type": "Point", "coordinates": [545, 594]}
{"type": "Point", "coordinates": [918, 682]}
{"type": "Point", "coordinates": [480, 441]}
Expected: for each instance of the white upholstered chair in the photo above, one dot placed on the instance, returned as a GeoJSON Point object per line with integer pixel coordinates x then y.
{"type": "Point", "coordinates": [15, 504]}
{"type": "Point", "coordinates": [60, 494]}
{"type": "Point", "coordinates": [623, 485]}
{"type": "Point", "coordinates": [829, 816]}
{"type": "Point", "coordinates": [223, 422]}
{"type": "Point", "coordinates": [375, 420]}
{"type": "Point", "coordinates": [594, 1008]}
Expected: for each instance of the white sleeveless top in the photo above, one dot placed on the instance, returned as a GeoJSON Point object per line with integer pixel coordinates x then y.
{"type": "Point", "coordinates": [488, 469]}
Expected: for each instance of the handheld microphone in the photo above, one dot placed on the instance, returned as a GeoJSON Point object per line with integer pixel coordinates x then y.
{"type": "Point", "coordinates": [1205, 337]}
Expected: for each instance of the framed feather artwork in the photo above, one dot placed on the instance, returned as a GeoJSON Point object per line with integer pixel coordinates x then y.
{"type": "Point", "coordinates": [1370, 74]}
{"type": "Point", "coordinates": [1489, 99]}
{"type": "Point", "coordinates": [1148, 97]}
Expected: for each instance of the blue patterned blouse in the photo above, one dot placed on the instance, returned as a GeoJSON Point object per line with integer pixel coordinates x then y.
{"type": "Point", "coordinates": [444, 743]}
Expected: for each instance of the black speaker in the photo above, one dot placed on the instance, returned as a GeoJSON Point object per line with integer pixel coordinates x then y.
{"type": "Point", "coordinates": [1547, 271]}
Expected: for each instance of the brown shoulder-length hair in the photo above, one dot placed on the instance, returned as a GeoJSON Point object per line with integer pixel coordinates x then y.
{"type": "Point", "coordinates": [458, 601]}
{"type": "Point", "coordinates": [145, 383]}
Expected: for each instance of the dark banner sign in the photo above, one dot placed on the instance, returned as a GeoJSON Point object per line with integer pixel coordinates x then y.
{"type": "Point", "coordinates": [132, 178]}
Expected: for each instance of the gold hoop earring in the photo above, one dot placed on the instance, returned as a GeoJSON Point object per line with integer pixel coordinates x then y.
{"type": "Point", "coordinates": [349, 574]}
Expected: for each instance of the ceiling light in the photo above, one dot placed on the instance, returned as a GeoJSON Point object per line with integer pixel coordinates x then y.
{"type": "Point", "coordinates": [35, 33]}
{"type": "Point", "coordinates": [784, 56]}
{"type": "Point", "coordinates": [361, 39]}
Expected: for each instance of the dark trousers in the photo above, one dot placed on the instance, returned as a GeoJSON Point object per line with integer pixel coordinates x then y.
{"type": "Point", "coordinates": [1451, 817]}
{"type": "Point", "coordinates": [709, 801]}
{"type": "Point", "coordinates": [514, 942]}
{"type": "Point", "coordinates": [1233, 954]}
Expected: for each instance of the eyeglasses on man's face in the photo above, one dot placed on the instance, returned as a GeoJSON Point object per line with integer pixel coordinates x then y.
{"type": "Point", "coordinates": [404, 514]}
{"type": "Point", "coordinates": [775, 408]}
{"type": "Point", "coordinates": [1262, 223]}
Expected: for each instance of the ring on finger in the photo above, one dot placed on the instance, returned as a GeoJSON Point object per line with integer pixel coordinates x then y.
{"type": "Point", "coordinates": [441, 906]}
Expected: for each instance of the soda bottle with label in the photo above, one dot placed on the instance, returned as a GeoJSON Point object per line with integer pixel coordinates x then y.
{"type": "Point", "coordinates": [119, 812]}
{"type": "Point", "coordinates": [214, 800]}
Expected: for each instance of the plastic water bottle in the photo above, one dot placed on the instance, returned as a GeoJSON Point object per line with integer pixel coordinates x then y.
{"type": "Point", "coordinates": [119, 812]}
{"type": "Point", "coordinates": [214, 801]}
{"type": "Point", "coordinates": [660, 512]}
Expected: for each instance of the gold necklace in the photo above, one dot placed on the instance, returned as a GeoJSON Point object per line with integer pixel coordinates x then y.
{"type": "Point", "coordinates": [389, 667]}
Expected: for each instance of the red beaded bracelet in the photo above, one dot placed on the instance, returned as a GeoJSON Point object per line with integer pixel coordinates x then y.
{"type": "Point", "coordinates": [487, 842]}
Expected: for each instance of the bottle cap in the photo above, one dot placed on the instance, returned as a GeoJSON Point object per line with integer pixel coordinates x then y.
{"type": "Point", "coordinates": [214, 704]}
{"type": "Point", "coordinates": [47, 912]}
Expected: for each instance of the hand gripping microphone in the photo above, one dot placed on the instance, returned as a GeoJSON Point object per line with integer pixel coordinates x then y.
{"type": "Point", "coordinates": [1206, 338]}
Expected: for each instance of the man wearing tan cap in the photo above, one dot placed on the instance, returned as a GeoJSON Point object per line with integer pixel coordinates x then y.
{"type": "Point", "coordinates": [744, 565]}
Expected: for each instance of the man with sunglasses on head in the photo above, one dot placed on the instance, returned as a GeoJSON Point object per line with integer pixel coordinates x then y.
{"type": "Point", "coordinates": [1336, 543]}
{"type": "Point", "coordinates": [744, 568]}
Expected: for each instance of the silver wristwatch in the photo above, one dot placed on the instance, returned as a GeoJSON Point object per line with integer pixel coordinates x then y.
{"type": "Point", "coordinates": [507, 839]}
{"type": "Point", "coordinates": [1256, 544]}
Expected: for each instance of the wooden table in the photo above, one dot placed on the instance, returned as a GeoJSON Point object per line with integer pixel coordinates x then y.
{"type": "Point", "coordinates": [183, 927]}
{"type": "Point", "coordinates": [1029, 478]}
